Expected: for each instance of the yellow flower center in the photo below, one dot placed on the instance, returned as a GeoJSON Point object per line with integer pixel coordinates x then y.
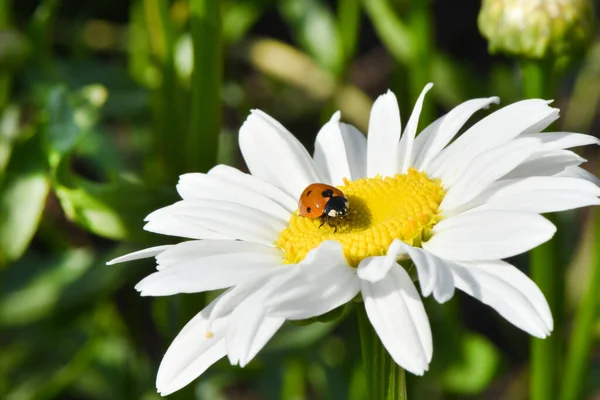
{"type": "Point", "coordinates": [405, 207]}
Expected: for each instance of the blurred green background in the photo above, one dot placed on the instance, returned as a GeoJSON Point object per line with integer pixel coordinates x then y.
{"type": "Point", "coordinates": [104, 103]}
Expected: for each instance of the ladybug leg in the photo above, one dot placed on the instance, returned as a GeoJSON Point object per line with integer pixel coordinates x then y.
{"type": "Point", "coordinates": [332, 224]}
{"type": "Point", "coordinates": [323, 219]}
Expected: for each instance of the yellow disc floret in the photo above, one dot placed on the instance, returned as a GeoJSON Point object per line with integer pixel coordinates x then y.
{"type": "Point", "coordinates": [404, 206]}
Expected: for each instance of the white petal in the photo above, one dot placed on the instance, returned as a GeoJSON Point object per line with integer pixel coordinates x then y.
{"type": "Point", "coordinates": [546, 163]}
{"type": "Point", "coordinates": [208, 273]}
{"type": "Point", "coordinates": [250, 182]}
{"type": "Point", "coordinates": [488, 235]}
{"type": "Point", "coordinates": [563, 140]}
{"type": "Point", "coordinates": [330, 153]}
{"type": "Point", "coordinates": [340, 151]}
{"type": "Point", "coordinates": [274, 155]}
{"type": "Point", "coordinates": [267, 328]}
{"type": "Point", "coordinates": [234, 296]}
{"type": "Point", "coordinates": [437, 135]}
{"type": "Point", "coordinates": [383, 137]}
{"type": "Point", "coordinates": [495, 130]}
{"type": "Point", "coordinates": [509, 291]}
{"type": "Point", "coordinates": [398, 316]}
{"type": "Point", "coordinates": [192, 352]}
{"type": "Point", "coordinates": [356, 150]}
{"type": "Point", "coordinates": [485, 169]}
{"type": "Point", "coordinates": [168, 225]}
{"type": "Point", "coordinates": [434, 274]}
{"type": "Point", "coordinates": [250, 329]}
{"type": "Point", "coordinates": [405, 147]}
{"type": "Point", "coordinates": [194, 250]}
{"type": "Point", "coordinates": [538, 194]}
{"type": "Point", "coordinates": [374, 269]}
{"type": "Point", "coordinates": [578, 172]}
{"type": "Point", "coordinates": [229, 219]}
{"type": "Point", "coordinates": [137, 255]}
{"type": "Point", "coordinates": [197, 186]}
{"type": "Point", "coordinates": [316, 286]}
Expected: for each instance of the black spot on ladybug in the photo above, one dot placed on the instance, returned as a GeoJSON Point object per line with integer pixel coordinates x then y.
{"type": "Point", "coordinates": [308, 194]}
{"type": "Point", "coordinates": [308, 208]}
{"type": "Point", "coordinates": [327, 193]}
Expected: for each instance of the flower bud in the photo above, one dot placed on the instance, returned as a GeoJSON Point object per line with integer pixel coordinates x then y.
{"type": "Point", "coordinates": [536, 28]}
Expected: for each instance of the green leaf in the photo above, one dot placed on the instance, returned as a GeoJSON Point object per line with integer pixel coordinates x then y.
{"type": "Point", "coordinates": [480, 361]}
{"type": "Point", "coordinates": [393, 32]}
{"type": "Point", "coordinates": [239, 16]}
{"type": "Point", "coordinates": [292, 336]}
{"type": "Point", "coordinates": [140, 64]}
{"type": "Point", "coordinates": [114, 210]}
{"type": "Point", "coordinates": [60, 129]}
{"type": "Point", "coordinates": [14, 50]}
{"type": "Point", "coordinates": [31, 292]}
{"type": "Point", "coordinates": [23, 193]}
{"type": "Point", "coordinates": [349, 27]}
{"type": "Point", "coordinates": [314, 26]}
{"type": "Point", "coordinates": [86, 355]}
{"type": "Point", "coordinates": [68, 116]}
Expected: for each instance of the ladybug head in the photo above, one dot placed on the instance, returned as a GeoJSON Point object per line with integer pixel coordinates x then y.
{"type": "Point", "coordinates": [337, 206]}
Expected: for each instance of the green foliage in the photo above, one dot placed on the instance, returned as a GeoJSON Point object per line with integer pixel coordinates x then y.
{"type": "Point", "coordinates": [479, 362]}
{"type": "Point", "coordinates": [112, 210]}
{"type": "Point", "coordinates": [23, 191]}
{"type": "Point", "coordinates": [315, 30]}
{"type": "Point", "coordinates": [104, 104]}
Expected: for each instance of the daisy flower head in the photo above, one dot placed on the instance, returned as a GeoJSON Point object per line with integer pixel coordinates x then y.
{"type": "Point", "coordinates": [454, 206]}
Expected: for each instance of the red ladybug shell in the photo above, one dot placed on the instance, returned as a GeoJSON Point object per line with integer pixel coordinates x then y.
{"type": "Point", "coordinates": [314, 199]}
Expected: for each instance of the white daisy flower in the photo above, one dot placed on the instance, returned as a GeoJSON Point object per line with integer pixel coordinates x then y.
{"type": "Point", "coordinates": [454, 210]}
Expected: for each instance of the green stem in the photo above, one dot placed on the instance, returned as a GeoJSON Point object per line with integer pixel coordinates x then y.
{"type": "Point", "coordinates": [538, 78]}
{"type": "Point", "coordinates": [385, 379]}
{"type": "Point", "coordinates": [544, 263]}
{"type": "Point", "coordinates": [392, 31]}
{"type": "Point", "coordinates": [421, 27]}
{"type": "Point", "coordinates": [40, 34]}
{"type": "Point", "coordinates": [349, 26]}
{"type": "Point", "coordinates": [203, 138]}
{"type": "Point", "coordinates": [577, 359]}
{"type": "Point", "coordinates": [168, 104]}
{"type": "Point", "coordinates": [5, 76]}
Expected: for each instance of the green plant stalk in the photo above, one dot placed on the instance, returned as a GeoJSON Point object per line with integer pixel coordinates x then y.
{"type": "Point", "coordinates": [167, 100]}
{"type": "Point", "coordinates": [39, 31]}
{"type": "Point", "coordinates": [349, 26]}
{"type": "Point", "coordinates": [538, 82]}
{"type": "Point", "coordinates": [580, 343]}
{"type": "Point", "coordinates": [420, 24]}
{"type": "Point", "coordinates": [392, 31]}
{"type": "Point", "coordinates": [385, 379]}
{"type": "Point", "coordinates": [203, 138]}
{"type": "Point", "coordinates": [5, 77]}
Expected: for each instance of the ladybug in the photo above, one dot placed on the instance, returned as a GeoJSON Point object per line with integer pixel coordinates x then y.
{"type": "Point", "coordinates": [323, 201]}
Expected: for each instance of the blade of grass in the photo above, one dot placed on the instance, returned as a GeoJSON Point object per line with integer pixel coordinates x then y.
{"type": "Point", "coordinates": [167, 102]}
{"type": "Point", "coordinates": [40, 29]}
{"type": "Point", "coordinates": [288, 64]}
{"type": "Point", "coordinates": [5, 78]}
{"type": "Point", "coordinates": [349, 26]}
{"type": "Point", "coordinates": [580, 343]}
{"type": "Point", "coordinates": [410, 42]}
{"type": "Point", "coordinates": [392, 31]}
{"type": "Point", "coordinates": [203, 137]}
{"type": "Point", "coordinates": [421, 28]}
